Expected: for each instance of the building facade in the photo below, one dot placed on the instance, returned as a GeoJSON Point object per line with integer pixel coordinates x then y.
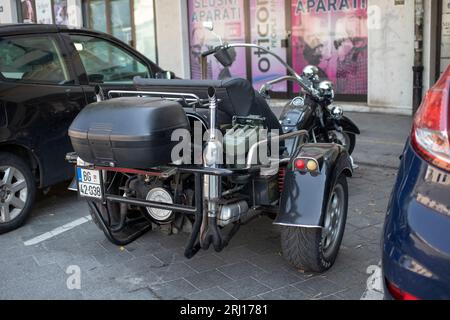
{"type": "Point", "coordinates": [366, 47]}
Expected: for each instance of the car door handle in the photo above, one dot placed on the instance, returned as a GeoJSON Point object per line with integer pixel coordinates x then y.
{"type": "Point", "coordinates": [70, 96]}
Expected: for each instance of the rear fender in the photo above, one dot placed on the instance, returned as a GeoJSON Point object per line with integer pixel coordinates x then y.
{"type": "Point", "coordinates": [305, 196]}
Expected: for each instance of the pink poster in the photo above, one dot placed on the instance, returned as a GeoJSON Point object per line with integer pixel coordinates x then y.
{"type": "Point", "coordinates": [332, 34]}
{"type": "Point", "coordinates": [268, 29]}
{"type": "Point", "coordinates": [229, 23]}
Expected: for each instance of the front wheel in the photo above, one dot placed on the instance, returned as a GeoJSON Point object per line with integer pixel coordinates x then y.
{"type": "Point", "coordinates": [17, 192]}
{"type": "Point", "coordinates": [314, 249]}
{"type": "Point", "coordinates": [345, 139]}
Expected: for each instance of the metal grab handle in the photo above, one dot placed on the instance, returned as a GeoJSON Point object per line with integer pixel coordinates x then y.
{"type": "Point", "coordinates": [252, 153]}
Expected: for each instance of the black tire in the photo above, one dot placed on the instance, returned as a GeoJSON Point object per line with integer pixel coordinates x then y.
{"type": "Point", "coordinates": [13, 161]}
{"type": "Point", "coordinates": [304, 248]}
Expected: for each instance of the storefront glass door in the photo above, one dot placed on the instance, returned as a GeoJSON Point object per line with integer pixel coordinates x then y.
{"type": "Point", "coordinates": [132, 21]}
{"type": "Point", "coordinates": [97, 17]}
{"type": "Point", "coordinates": [121, 20]}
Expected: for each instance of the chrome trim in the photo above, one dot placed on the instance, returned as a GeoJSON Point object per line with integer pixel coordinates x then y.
{"type": "Point", "coordinates": [296, 225]}
{"type": "Point", "coordinates": [268, 85]}
{"type": "Point", "coordinates": [253, 149]}
{"type": "Point", "coordinates": [187, 97]}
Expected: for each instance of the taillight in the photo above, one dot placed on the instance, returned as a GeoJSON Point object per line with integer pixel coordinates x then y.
{"type": "Point", "coordinates": [306, 165]}
{"type": "Point", "coordinates": [430, 137]}
{"type": "Point", "coordinates": [399, 294]}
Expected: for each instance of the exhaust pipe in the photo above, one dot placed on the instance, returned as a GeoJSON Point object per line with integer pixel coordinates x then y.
{"type": "Point", "coordinates": [211, 157]}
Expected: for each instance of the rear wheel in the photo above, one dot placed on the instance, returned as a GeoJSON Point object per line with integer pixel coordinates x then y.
{"type": "Point", "coordinates": [17, 192]}
{"type": "Point", "coordinates": [313, 249]}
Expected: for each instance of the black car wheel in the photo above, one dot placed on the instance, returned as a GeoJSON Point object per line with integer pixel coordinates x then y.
{"type": "Point", "coordinates": [17, 192]}
{"type": "Point", "coordinates": [313, 249]}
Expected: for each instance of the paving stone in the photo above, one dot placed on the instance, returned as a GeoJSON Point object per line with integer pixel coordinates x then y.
{"type": "Point", "coordinates": [245, 288]}
{"type": "Point", "coordinates": [110, 258]}
{"type": "Point", "coordinates": [173, 271]}
{"type": "Point", "coordinates": [285, 293]}
{"type": "Point", "coordinates": [277, 279]}
{"type": "Point", "coordinates": [177, 289]}
{"type": "Point", "coordinates": [319, 286]}
{"type": "Point", "coordinates": [240, 270]}
{"type": "Point", "coordinates": [205, 263]}
{"type": "Point", "coordinates": [214, 293]}
{"type": "Point", "coordinates": [208, 279]}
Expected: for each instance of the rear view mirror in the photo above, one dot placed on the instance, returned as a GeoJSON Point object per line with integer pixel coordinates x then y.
{"type": "Point", "coordinates": [223, 56]}
{"type": "Point", "coordinates": [165, 75]}
{"type": "Point", "coordinates": [96, 78]}
{"type": "Point", "coordinates": [208, 25]}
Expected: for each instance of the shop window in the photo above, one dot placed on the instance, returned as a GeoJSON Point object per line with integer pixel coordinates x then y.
{"type": "Point", "coordinates": [332, 35]}
{"type": "Point", "coordinates": [333, 38]}
{"type": "Point", "coordinates": [131, 21]}
{"type": "Point", "coordinates": [105, 62]}
{"type": "Point", "coordinates": [32, 59]}
{"type": "Point", "coordinates": [229, 23]}
{"type": "Point", "coordinates": [268, 29]}
{"type": "Point", "coordinates": [62, 12]}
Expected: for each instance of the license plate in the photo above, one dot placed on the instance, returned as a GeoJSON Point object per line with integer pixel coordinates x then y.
{"type": "Point", "coordinates": [89, 183]}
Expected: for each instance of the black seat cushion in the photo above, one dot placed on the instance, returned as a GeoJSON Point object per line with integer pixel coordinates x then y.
{"type": "Point", "coordinates": [260, 107]}
{"type": "Point", "coordinates": [237, 95]}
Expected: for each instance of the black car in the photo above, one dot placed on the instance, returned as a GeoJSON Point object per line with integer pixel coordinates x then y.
{"type": "Point", "coordinates": [48, 74]}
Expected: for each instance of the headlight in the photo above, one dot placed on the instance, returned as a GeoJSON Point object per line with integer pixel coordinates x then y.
{"type": "Point", "coordinates": [326, 89]}
{"type": "Point", "coordinates": [311, 73]}
{"type": "Point", "coordinates": [337, 112]}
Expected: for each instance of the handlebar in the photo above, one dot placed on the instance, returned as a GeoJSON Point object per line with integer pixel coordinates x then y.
{"type": "Point", "coordinates": [209, 52]}
{"type": "Point", "coordinates": [304, 84]}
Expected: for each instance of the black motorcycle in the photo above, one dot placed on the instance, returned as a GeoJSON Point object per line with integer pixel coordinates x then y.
{"type": "Point", "coordinates": [139, 165]}
{"type": "Point", "coordinates": [312, 110]}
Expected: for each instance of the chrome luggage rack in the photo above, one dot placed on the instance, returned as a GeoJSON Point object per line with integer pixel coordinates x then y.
{"type": "Point", "coordinates": [189, 99]}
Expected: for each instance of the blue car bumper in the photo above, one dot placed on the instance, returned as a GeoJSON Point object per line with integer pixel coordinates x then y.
{"type": "Point", "coordinates": [416, 239]}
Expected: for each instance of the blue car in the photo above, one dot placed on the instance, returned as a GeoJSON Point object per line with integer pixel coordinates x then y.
{"type": "Point", "coordinates": [416, 238]}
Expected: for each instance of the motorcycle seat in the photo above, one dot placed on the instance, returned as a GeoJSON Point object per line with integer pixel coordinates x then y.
{"type": "Point", "coordinates": [236, 94]}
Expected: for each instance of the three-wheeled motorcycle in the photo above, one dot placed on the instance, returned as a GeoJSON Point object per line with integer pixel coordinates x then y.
{"type": "Point", "coordinates": [211, 155]}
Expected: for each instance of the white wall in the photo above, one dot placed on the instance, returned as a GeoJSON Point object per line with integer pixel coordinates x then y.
{"type": "Point", "coordinates": [430, 43]}
{"type": "Point", "coordinates": [391, 55]}
{"type": "Point", "coordinates": [8, 12]}
{"type": "Point", "coordinates": [172, 36]}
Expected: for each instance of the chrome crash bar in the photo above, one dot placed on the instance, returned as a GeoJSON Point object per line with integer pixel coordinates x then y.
{"type": "Point", "coordinates": [190, 98]}
{"type": "Point", "coordinates": [253, 151]}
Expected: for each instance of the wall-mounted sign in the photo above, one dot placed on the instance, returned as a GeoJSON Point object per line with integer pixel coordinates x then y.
{"type": "Point", "coordinates": [332, 35]}
{"type": "Point", "coordinates": [229, 22]}
{"type": "Point", "coordinates": [268, 29]}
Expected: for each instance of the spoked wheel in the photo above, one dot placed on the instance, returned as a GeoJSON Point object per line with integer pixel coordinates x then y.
{"type": "Point", "coordinates": [314, 249]}
{"type": "Point", "coordinates": [334, 221]}
{"type": "Point", "coordinates": [17, 192]}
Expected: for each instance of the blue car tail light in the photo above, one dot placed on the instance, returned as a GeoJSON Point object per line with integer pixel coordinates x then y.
{"type": "Point", "coordinates": [399, 294]}
{"type": "Point", "coordinates": [430, 135]}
